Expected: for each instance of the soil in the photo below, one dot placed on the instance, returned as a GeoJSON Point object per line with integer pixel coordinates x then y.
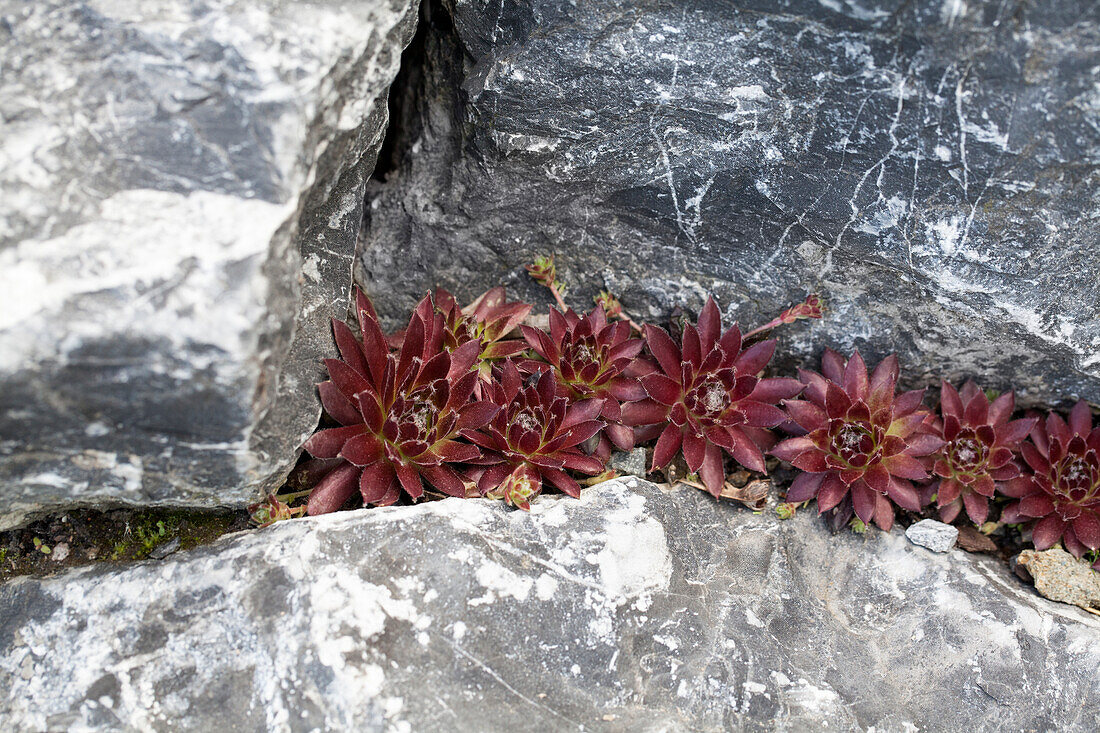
{"type": "Point", "coordinates": [85, 536]}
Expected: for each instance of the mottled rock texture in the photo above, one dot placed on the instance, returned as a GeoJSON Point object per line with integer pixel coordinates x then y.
{"type": "Point", "coordinates": [929, 166]}
{"type": "Point", "coordinates": [181, 188]}
{"type": "Point", "coordinates": [630, 609]}
{"type": "Point", "coordinates": [1060, 576]}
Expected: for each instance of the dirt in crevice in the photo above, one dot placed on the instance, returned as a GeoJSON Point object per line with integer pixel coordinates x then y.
{"type": "Point", "coordinates": [85, 536]}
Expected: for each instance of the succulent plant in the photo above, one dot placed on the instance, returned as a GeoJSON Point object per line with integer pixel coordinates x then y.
{"type": "Point", "coordinates": [534, 438]}
{"type": "Point", "coordinates": [545, 272]}
{"type": "Point", "coordinates": [591, 359]}
{"type": "Point", "coordinates": [708, 395]}
{"type": "Point", "coordinates": [980, 444]}
{"type": "Point", "coordinates": [271, 510]}
{"type": "Point", "coordinates": [487, 320]}
{"type": "Point", "coordinates": [401, 414]}
{"type": "Point", "coordinates": [1063, 495]}
{"type": "Point", "coordinates": [861, 443]}
{"type": "Point", "coordinates": [810, 308]}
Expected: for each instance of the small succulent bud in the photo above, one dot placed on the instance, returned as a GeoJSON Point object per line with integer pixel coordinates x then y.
{"type": "Point", "coordinates": [518, 488]}
{"type": "Point", "coordinates": [609, 303]}
{"type": "Point", "coordinates": [786, 510]}
{"type": "Point", "coordinates": [543, 270]}
{"type": "Point", "coordinates": [812, 307]}
{"type": "Point", "coordinates": [271, 510]}
{"type": "Point", "coordinates": [858, 525]}
{"type": "Point", "coordinates": [599, 479]}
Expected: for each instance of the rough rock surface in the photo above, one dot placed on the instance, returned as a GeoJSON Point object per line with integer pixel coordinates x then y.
{"type": "Point", "coordinates": [631, 609]}
{"type": "Point", "coordinates": [931, 167]}
{"type": "Point", "coordinates": [181, 188]}
{"type": "Point", "coordinates": [1060, 576]}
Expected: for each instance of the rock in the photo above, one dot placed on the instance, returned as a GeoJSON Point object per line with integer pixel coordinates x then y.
{"type": "Point", "coordinates": [632, 608]}
{"type": "Point", "coordinates": [972, 540]}
{"type": "Point", "coordinates": [929, 167]}
{"type": "Point", "coordinates": [182, 184]}
{"type": "Point", "coordinates": [1060, 576]}
{"type": "Point", "coordinates": [936, 536]}
{"type": "Point", "coordinates": [632, 463]}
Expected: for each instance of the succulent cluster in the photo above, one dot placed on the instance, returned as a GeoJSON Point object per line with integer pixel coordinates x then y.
{"type": "Point", "coordinates": [479, 401]}
{"type": "Point", "coordinates": [863, 449]}
{"type": "Point", "coordinates": [455, 402]}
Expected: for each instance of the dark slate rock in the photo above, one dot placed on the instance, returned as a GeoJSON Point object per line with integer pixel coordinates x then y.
{"type": "Point", "coordinates": [631, 609]}
{"type": "Point", "coordinates": [182, 186]}
{"type": "Point", "coordinates": [930, 167]}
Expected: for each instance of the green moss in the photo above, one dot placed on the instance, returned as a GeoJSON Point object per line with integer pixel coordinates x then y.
{"type": "Point", "coordinates": [116, 535]}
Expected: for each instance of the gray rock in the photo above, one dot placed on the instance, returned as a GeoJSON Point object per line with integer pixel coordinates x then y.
{"type": "Point", "coordinates": [930, 167]}
{"type": "Point", "coordinates": [181, 187]}
{"type": "Point", "coordinates": [936, 536]}
{"type": "Point", "coordinates": [632, 463]}
{"type": "Point", "coordinates": [631, 608]}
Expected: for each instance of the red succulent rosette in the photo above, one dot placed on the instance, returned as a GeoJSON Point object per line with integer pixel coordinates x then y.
{"type": "Point", "coordinates": [862, 441]}
{"type": "Point", "coordinates": [980, 444]}
{"type": "Point", "coordinates": [1063, 495]}
{"type": "Point", "coordinates": [591, 359]}
{"type": "Point", "coordinates": [709, 392]}
{"type": "Point", "coordinates": [401, 414]}
{"type": "Point", "coordinates": [534, 437]}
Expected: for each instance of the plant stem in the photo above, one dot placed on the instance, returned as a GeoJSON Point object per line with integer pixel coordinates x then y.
{"type": "Point", "coordinates": [761, 329]}
{"type": "Point", "coordinates": [557, 297]}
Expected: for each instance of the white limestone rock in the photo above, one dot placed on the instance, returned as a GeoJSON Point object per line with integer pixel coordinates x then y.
{"type": "Point", "coordinates": [181, 186]}
{"type": "Point", "coordinates": [631, 608]}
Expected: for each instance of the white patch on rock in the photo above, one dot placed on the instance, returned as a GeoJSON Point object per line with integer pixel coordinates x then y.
{"type": "Point", "coordinates": [634, 559]}
{"type": "Point", "coordinates": [546, 586]}
{"type": "Point", "coordinates": [500, 582]}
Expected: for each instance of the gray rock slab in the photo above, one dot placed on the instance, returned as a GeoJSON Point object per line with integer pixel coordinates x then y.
{"type": "Point", "coordinates": [181, 187]}
{"type": "Point", "coordinates": [930, 167]}
{"type": "Point", "coordinates": [632, 462]}
{"type": "Point", "coordinates": [630, 609]}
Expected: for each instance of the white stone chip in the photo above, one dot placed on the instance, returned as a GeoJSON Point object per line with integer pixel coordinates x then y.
{"type": "Point", "coordinates": [936, 536]}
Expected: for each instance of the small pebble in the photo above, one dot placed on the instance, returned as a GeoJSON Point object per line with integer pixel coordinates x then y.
{"type": "Point", "coordinates": [632, 463]}
{"type": "Point", "coordinates": [936, 536]}
{"type": "Point", "coordinates": [60, 552]}
{"type": "Point", "coordinates": [162, 551]}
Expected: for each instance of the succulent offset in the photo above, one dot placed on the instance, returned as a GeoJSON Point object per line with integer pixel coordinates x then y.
{"type": "Point", "coordinates": [401, 414]}
{"type": "Point", "coordinates": [707, 397]}
{"type": "Point", "coordinates": [980, 444]}
{"type": "Point", "coordinates": [533, 438]}
{"type": "Point", "coordinates": [1062, 496]}
{"type": "Point", "coordinates": [591, 359]}
{"type": "Point", "coordinates": [862, 443]}
{"type": "Point", "coordinates": [487, 320]}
